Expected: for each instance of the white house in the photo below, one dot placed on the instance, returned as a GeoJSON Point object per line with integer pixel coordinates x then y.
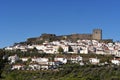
{"type": "Point", "coordinates": [84, 50]}
{"type": "Point", "coordinates": [61, 59]}
{"type": "Point", "coordinates": [13, 59]}
{"type": "Point", "coordinates": [33, 59]}
{"type": "Point", "coordinates": [40, 47]}
{"type": "Point", "coordinates": [115, 61]}
{"type": "Point", "coordinates": [17, 66]}
{"type": "Point", "coordinates": [100, 52]}
{"type": "Point", "coordinates": [40, 60]}
{"type": "Point", "coordinates": [9, 48]}
{"type": "Point", "coordinates": [94, 60]}
{"type": "Point", "coordinates": [65, 48]}
{"type": "Point", "coordinates": [30, 46]}
{"type": "Point", "coordinates": [24, 59]}
{"type": "Point", "coordinates": [117, 53]}
{"type": "Point", "coordinates": [81, 64]}
{"type": "Point", "coordinates": [34, 66]}
{"type": "Point", "coordinates": [44, 66]}
{"type": "Point", "coordinates": [51, 63]}
{"type": "Point", "coordinates": [76, 58]}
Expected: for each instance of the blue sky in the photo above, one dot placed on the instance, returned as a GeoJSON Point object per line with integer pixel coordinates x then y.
{"type": "Point", "coordinates": [21, 19]}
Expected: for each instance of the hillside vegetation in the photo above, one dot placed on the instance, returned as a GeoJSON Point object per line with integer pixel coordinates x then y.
{"type": "Point", "coordinates": [68, 71]}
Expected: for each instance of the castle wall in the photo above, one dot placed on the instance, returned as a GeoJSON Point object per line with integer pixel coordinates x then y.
{"type": "Point", "coordinates": [81, 36]}
{"type": "Point", "coordinates": [96, 35]}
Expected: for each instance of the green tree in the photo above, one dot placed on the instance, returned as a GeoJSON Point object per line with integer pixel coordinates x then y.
{"type": "Point", "coordinates": [70, 49]}
{"type": "Point", "coordinates": [60, 49]}
{"type": "Point", "coordinates": [34, 49]}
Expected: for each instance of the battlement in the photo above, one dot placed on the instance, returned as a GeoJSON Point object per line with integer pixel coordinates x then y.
{"type": "Point", "coordinates": [95, 35]}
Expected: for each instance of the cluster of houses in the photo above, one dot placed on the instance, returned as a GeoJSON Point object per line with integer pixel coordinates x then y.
{"type": "Point", "coordinates": [45, 63]}
{"type": "Point", "coordinates": [80, 46]}
{"type": "Point", "coordinates": [41, 63]}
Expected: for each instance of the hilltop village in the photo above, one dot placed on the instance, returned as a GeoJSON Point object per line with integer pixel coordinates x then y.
{"type": "Point", "coordinates": [65, 50]}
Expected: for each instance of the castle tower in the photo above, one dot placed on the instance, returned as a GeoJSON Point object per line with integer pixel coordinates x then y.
{"type": "Point", "coordinates": [97, 34]}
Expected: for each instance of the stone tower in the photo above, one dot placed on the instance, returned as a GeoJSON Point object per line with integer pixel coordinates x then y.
{"type": "Point", "coordinates": [97, 34]}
